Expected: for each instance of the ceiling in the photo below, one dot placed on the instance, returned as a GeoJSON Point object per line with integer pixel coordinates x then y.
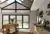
{"type": "Point", "coordinates": [36, 4]}
{"type": "Point", "coordinates": [27, 3]}
{"type": "Point", "coordinates": [39, 4]}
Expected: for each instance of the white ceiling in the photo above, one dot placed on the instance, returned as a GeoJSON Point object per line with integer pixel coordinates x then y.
{"type": "Point", "coordinates": [38, 4]}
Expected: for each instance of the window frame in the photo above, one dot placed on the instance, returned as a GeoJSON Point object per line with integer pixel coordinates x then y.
{"type": "Point", "coordinates": [16, 19]}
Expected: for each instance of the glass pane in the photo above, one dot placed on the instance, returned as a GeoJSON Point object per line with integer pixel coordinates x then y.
{"type": "Point", "coordinates": [20, 1]}
{"type": "Point", "coordinates": [25, 25]}
{"type": "Point", "coordinates": [12, 6]}
{"type": "Point", "coordinates": [5, 20]}
{"type": "Point", "coordinates": [2, 1]}
{"type": "Point", "coordinates": [19, 21]}
{"type": "Point", "coordinates": [10, 1]}
{"type": "Point", "coordinates": [25, 18]}
{"type": "Point", "coordinates": [8, 11]}
{"type": "Point", "coordinates": [23, 11]}
{"type": "Point", "coordinates": [19, 17]}
{"type": "Point", "coordinates": [12, 19]}
{"type": "Point", "coordinates": [25, 22]}
{"type": "Point", "coordinates": [27, 3]}
{"type": "Point", "coordinates": [20, 6]}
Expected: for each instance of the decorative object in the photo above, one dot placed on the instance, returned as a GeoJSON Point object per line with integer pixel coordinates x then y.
{"type": "Point", "coordinates": [49, 5]}
{"type": "Point", "coordinates": [34, 30]}
{"type": "Point", "coordinates": [46, 22]}
{"type": "Point", "coordinates": [41, 14]}
{"type": "Point", "coordinates": [48, 12]}
{"type": "Point", "coordinates": [40, 17]}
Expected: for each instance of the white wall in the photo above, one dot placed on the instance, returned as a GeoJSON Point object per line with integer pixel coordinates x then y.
{"type": "Point", "coordinates": [42, 5]}
{"type": "Point", "coordinates": [44, 8]}
{"type": "Point", "coordinates": [33, 18]}
{"type": "Point", "coordinates": [36, 4]}
{"type": "Point", "coordinates": [32, 15]}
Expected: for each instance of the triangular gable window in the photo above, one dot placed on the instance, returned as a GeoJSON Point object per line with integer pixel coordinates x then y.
{"type": "Point", "coordinates": [15, 6]}
{"type": "Point", "coordinates": [10, 1]}
{"type": "Point", "coordinates": [12, 6]}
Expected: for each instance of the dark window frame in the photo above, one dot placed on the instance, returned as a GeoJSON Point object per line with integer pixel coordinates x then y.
{"type": "Point", "coordinates": [16, 19]}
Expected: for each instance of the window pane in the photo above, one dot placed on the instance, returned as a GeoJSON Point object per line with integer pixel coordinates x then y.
{"type": "Point", "coordinates": [2, 1]}
{"type": "Point", "coordinates": [25, 18]}
{"type": "Point", "coordinates": [12, 19]}
{"type": "Point", "coordinates": [5, 20]}
{"type": "Point", "coordinates": [25, 25]}
{"type": "Point", "coordinates": [25, 22]}
{"type": "Point", "coordinates": [8, 11]}
{"type": "Point", "coordinates": [19, 21]}
{"type": "Point", "coordinates": [23, 11]}
{"type": "Point", "coordinates": [12, 16]}
{"type": "Point", "coordinates": [10, 1]}
{"type": "Point", "coordinates": [19, 17]}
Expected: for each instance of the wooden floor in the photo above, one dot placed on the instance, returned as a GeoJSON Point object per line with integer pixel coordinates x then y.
{"type": "Point", "coordinates": [24, 33]}
{"type": "Point", "coordinates": [43, 32]}
{"type": "Point", "coordinates": [30, 33]}
{"type": "Point", "coordinates": [20, 33]}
